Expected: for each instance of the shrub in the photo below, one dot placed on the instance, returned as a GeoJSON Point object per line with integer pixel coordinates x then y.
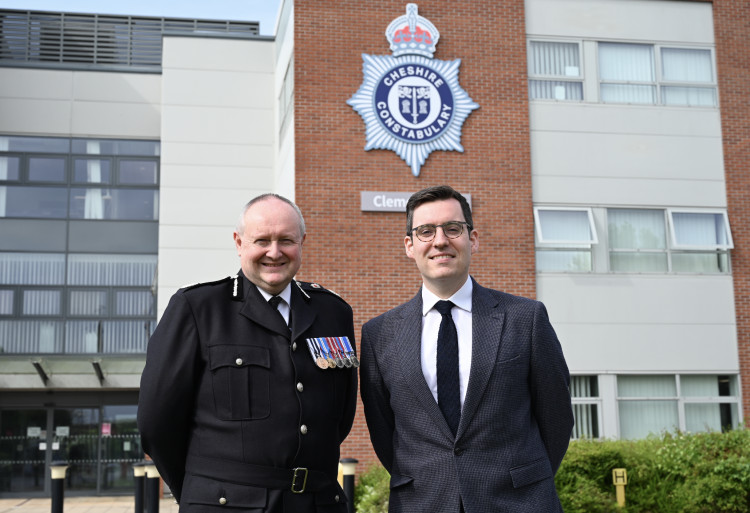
{"type": "Point", "coordinates": [674, 472]}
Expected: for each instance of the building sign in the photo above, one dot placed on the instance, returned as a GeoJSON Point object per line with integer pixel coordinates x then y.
{"type": "Point", "coordinates": [411, 103]}
{"type": "Point", "coordinates": [380, 201]}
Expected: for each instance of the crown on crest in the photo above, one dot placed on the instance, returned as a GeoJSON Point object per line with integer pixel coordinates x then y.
{"type": "Point", "coordinates": [412, 34]}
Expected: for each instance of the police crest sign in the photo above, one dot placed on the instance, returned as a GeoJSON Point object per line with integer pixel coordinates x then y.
{"type": "Point", "coordinates": [411, 103]}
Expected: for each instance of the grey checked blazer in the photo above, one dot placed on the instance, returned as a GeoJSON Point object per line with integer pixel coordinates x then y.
{"type": "Point", "coordinates": [515, 423]}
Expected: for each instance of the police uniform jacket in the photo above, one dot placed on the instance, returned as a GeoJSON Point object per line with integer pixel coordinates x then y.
{"type": "Point", "coordinates": [231, 400]}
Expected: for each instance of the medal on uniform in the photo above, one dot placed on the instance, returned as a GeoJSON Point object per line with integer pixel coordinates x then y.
{"type": "Point", "coordinates": [327, 353]}
{"type": "Point", "coordinates": [337, 356]}
{"type": "Point", "coordinates": [314, 348]}
{"type": "Point", "coordinates": [342, 351]}
{"type": "Point", "coordinates": [350, 351]}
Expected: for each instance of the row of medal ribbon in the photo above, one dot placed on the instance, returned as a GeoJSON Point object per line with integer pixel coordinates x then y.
{"type": "Point", "coordinates": [332, 352]}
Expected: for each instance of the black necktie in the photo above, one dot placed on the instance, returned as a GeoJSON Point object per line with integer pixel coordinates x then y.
{"type": "Point", "coordinates": [447, 367]}
{"type": "Point", "coordinates": [274, 302]}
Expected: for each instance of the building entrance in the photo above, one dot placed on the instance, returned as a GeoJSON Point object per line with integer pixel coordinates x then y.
{"type": "Point", "coordinates": [100, 445]}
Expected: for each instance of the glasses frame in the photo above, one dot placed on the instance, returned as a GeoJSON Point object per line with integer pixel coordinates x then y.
{"type": "Point", "coordinates": [436, 226]}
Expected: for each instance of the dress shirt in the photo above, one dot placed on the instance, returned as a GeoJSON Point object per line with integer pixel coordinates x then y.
{"type": "Point", "coordinates": [431, 318]}
{"type": "Point", "coordinates": [284, 307]}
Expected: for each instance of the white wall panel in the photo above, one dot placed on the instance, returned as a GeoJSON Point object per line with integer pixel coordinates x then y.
{"type": "Point", "coordinates": [205, 154]}
{"type": "Point", "coordinates": [650, 20]}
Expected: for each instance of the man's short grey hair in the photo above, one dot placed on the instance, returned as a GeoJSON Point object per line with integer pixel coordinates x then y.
{"type": "Point", "coordinates": [241, 221]}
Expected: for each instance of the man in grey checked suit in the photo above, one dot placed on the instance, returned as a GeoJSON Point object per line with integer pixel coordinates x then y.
{"type": "Point", "coordinates": [499, 448]}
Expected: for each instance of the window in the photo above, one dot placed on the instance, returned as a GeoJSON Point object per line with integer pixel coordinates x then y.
{"type": "Point", "coordinates": [555, 71]}
{"type": "Point", "coordinates": [564, 238]}
{"type": "Point", "coordinates": [81, 280]}
{"type": "Point", "coordinates": [698, 241]}
{"type": "Point", "coordinates": [584, 392]}
{"type": "Point", "coordinates": [657, 403]}
{"type": "Point", "coordinates": [648, 74]}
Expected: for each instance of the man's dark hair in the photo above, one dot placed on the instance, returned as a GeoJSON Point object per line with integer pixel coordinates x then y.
{"type": "Point", "coordinates": [436, 193]}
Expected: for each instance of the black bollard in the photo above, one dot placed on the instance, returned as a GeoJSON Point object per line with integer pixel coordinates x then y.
{"type": "Point", "coordinates": [152, 488]}
{"type": "Point", "coordinates": [139, 472]}
{"type": "Point", "coordinates": [349, 464]}
{"type": "Point", "coordinates": [57, 469]}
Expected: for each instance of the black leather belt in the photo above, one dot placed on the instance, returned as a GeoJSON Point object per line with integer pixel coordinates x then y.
{"type": "Point", "coordinates": [298, 480]}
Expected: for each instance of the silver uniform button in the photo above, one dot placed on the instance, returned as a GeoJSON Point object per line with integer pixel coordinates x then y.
{"type": "Point", "coordinates": [294, 346]}
{"type": "Point", "coordinates": [238, 361]}
{"type": "Point", "coordinates": [303, 429]}
{"type": "Point", "coordinates": [337, 498]}
{"type": "Point", "coordinates": [223, 501]}
{"type": "Point", "coordinates": [300, 387]}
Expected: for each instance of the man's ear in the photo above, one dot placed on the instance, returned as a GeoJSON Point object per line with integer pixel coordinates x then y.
{"type": "Point", "coordinates": [409, 246]}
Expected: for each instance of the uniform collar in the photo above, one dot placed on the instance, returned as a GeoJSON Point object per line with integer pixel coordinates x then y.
{"type": "Point", "coordinates": [285, 294]}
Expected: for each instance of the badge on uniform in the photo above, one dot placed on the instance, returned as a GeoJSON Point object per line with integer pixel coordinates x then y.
{"type": "Point", "coordinates": [332, 352]}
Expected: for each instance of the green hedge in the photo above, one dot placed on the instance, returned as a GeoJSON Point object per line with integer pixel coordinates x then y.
{"type": "Point", "coordinates": [687, 473]}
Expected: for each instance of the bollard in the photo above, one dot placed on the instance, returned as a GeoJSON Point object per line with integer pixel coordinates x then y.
{"type": "Point", "coordinates": [349, 465]}
{"type": "Point", "coordinates": [620, 479]}
{"type": "Point", "coordinates": [57, 469]}
{"type": "Point", "coordinates": [139, 473]}
{"type": "Point", "coordinates": [152, 488]}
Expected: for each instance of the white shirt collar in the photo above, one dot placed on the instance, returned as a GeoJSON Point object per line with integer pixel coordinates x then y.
{"type": "Point", "coordinates": [462, 297]}
{"type": "Point", "coordinates": [285, 294]}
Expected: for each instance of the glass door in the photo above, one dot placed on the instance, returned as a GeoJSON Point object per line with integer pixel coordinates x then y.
{"type": "Point", "coordinates": [75, 439]}
{"type": "Point", "coordinates": [23, 451]}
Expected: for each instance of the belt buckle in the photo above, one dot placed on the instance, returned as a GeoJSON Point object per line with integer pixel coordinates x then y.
{"type": "Point", "coordinates": [301, 473]}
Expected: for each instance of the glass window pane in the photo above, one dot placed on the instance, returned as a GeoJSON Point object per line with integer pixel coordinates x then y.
{"type": "Point", "coordinates": [638, 262]}
{"type": "Point", "coordinates": [46, 169]}
{"type": "Point", "coordinates": [584, 386]}
{"type": "Point", "coordinates": [707, 230]}
{"type": "Point", "coordinates": [706, 263]}
{"type": "Point", "coordinates": [636, 229]}
{"type": "Point", "coordinates": [82, 336]}
{"type": "Point", "coordinates": [702, 417]}
{"type": "Point", "coordinates": [32, 269]}
{"type": "Point", "coordinates": [39, 336]}
{"type": "Point", "coordinates": [6, 302]}
{"type": "Point", "coordinates": [563, 260]}
{"type": "Point", "coordinates": [699, 386]}
{"type": "Point", "coordinates": [691, 96]}
{"type": "Point", "coordinates": [37, 144]}
{"type": "Point", "coordinates": [34, 202]}
{"type": "Point", "coordinates": [555, 90]}
{"type": "Point", "coordinates": [138, 172]}
{"type": "Point", "coordinates": [41, 302]}
{"type": "Point", "coordinates": [686, 65]}
{"type": "Point", "coordinates": [628, 93]}
{"type": "Point", "coordinates": [116, 147]}
{"type": "Point", "coordinates": [92, 171]}
{"type": "Point", "coordinates": [88, 302]}
{"type": "Point", "coordinates": [646, 386]}
{"type": "Point", "coordinates": [560, 226]}
{"type": "Point", "coordinates": [126, 336]}
{"type": "Point", "coordinates": [108, 270]}
{"type": "Point", "coordinates": [626, 62]}
{"type": "Point", "coordinates": [9, 168]}
{"type": "Point", "coordinates": [638, 419]}
{"type": "Point", "coordinates": [134, 303]}
{"type": "Point", "coordinates": [586, 421]}
{"type": "Point", "coordinates": [121, 204]}
{"type": "Point", "coordinates": [551, 58]}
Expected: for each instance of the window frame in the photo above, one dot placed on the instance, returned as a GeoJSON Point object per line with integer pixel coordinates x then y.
{"type": "Point", "coordinates": [539, 77]}
{"type": "Point", "coordinates": [592, 227]}
{"type": "Point", "coordinates": [672, 235]}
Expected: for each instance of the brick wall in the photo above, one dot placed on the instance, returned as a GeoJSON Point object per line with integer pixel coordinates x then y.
{"type": "Point", "coordinates": [358, 254]}
{"type": "Point", "coordinates": [732, 28]}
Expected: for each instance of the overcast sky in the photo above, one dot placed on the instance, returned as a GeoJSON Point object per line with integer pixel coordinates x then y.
{"type": "Point", "coordinates": [263, 11]}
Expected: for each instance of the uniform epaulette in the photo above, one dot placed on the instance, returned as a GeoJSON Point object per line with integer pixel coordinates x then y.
{"type": "Point", "coordinates": [203, 283]}
{"type": "Point", "coordinates": [306, 287]}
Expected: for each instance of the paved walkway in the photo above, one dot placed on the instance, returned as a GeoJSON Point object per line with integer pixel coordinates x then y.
{"type": "Point", "coordinates": [81, 505]}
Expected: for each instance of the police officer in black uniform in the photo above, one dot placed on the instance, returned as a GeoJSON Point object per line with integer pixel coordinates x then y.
{"type": "Point", "coordinates": [245, 401]}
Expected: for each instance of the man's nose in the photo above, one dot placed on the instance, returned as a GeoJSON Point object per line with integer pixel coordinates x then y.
{"type": "Point", "coordinates": [274, 249]}
{"type": "Point", "coordinates": [440, 238]}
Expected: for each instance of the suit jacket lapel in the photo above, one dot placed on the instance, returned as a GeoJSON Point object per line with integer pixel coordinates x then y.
{"type": "Point", "coordinates": [408, 335]}
{"type": "Point", "coordinates": [487, 325]}
{"type": "Point", "coordinates": [257, 309]}
{"type": "Point", "coordinates": [302, 315]}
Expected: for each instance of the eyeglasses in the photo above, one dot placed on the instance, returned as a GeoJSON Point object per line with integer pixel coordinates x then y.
{"type": "Point", "coordinates": [451, 229]}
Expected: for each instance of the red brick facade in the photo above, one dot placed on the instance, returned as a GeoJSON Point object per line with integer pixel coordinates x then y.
{"type": "Point", "coordinates": [732, 31]}
{"type": "Point", "coordinates": [360, 254]}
